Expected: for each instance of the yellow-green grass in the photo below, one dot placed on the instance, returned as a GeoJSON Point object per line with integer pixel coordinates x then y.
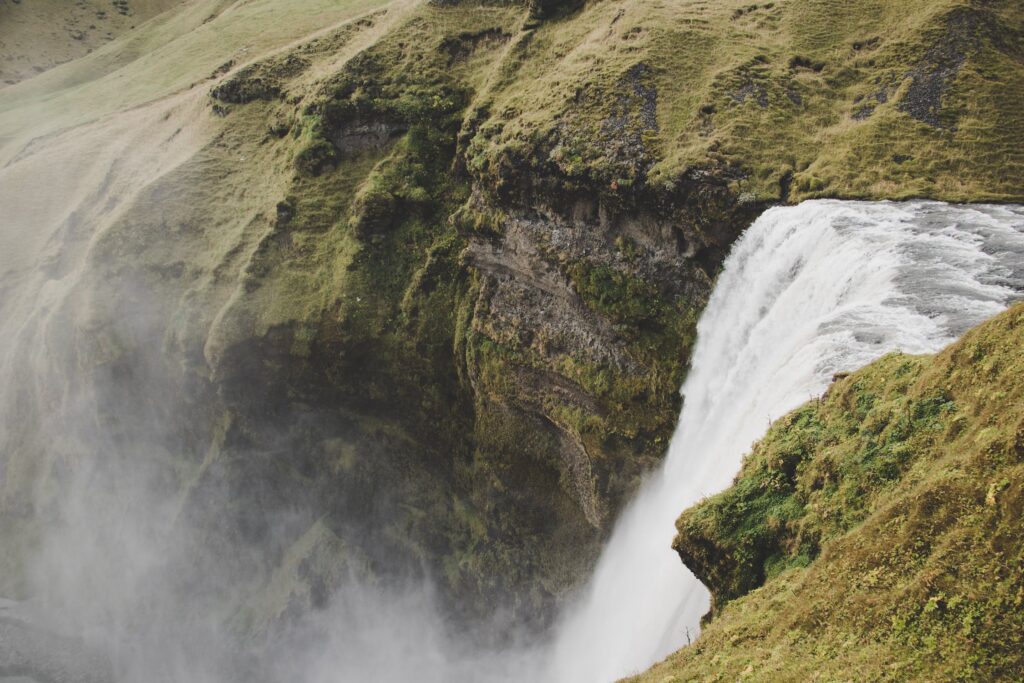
{"type": "Point", "coordinates": [771, 89]}
{"type": "Point", "coordinates": [170, 53]}
{"type": "Point", "coordinates": [36, 36]}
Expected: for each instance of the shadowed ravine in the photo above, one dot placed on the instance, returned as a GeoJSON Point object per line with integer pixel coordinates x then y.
{"type": "Point", "coordinates": [807, 292]}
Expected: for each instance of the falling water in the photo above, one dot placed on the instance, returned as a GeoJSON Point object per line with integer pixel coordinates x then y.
{"type": "Point", "coordinates": [808, 291]}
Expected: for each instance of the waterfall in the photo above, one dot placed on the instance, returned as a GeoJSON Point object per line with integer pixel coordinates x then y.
{"type": "Point", "coordinates": [807, 291]}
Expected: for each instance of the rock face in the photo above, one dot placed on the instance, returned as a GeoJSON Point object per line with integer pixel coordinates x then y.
{"type": "Point", "coordinates": [899, 491]}
{"type": "Point", "coordinates": [421, 301]}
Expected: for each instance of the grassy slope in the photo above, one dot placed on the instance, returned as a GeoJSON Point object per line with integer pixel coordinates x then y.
{"type": "Point", "coordinates": [723, 72]}
{"type": "Point", "coordinates": [174, 52]}
{"type": "Point", "coordinates": [772, 89]}
{"type": "Point", "coordinates": [885, 524]}
{"type": "Point", "coordinates": [117, 118]}
{"type": "Point", "coordinates": [40, 34]}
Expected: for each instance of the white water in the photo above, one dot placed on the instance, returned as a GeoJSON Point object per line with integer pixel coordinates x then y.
{"type": "Point", "coordinates": [807, 291]}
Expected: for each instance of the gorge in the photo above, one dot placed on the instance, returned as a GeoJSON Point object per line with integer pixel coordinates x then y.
{"type": "Point", "coordinates": [809, 292]}
{"type": "Point", "coordinates": [343, 339]}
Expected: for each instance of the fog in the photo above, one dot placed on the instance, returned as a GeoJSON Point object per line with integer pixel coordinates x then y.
{"type": "Point", "coordinates": [134, 559]}
{"type": "Point", "coordinates": [123, 575]}
{"type": "Point", "coordinates": [133, 567]}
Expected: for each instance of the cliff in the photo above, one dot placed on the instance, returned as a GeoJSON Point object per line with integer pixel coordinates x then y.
{"type": "Point", "coordinates": [874, 534]}
{"type": "Point", "coordinates": [425, 277]}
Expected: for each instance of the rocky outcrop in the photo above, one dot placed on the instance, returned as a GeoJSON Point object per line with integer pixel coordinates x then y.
{"type": "Point", "coordinates": [502, 364]}
{"type": "Point", "coordinates": [260, 81]}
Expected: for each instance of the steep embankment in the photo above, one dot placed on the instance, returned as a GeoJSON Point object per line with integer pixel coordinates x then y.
{"type": "Point", "coordinates": [875, 534]}
{"type": "Point", "coordinates": [425, 277]}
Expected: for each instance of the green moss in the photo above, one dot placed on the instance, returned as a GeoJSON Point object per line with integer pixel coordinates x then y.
{"type": "Point", "coordinates": [625, 298]}
{"type": "Point", "coordinates": [315, 157]}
